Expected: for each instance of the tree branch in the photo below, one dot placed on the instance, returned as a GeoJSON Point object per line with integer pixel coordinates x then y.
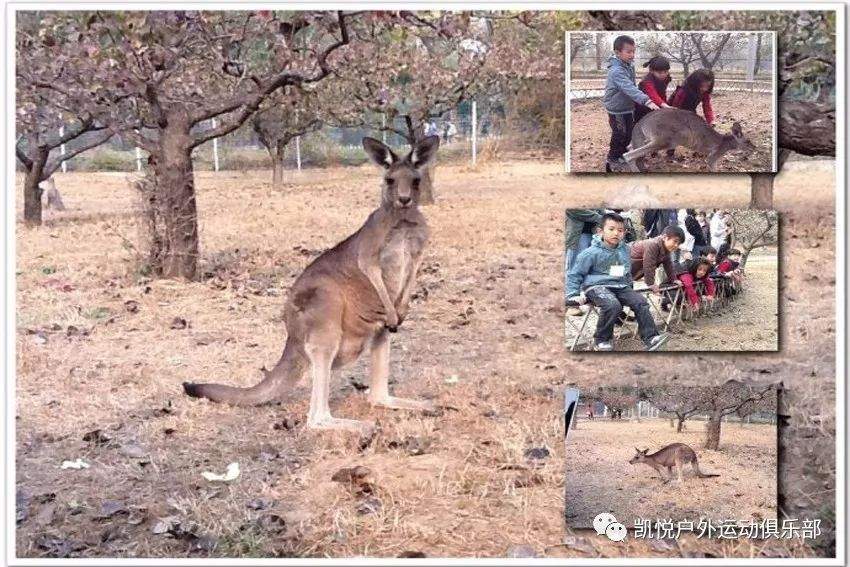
{"type": "Point", "coordinates": [25, 160]}
{"type": "Point", "coordinates": [56, 162]}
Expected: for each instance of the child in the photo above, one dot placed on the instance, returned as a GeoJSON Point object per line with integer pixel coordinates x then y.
{"type": "Point", "coordinates": [696, 90]}
{"type": "Point", "coordinates": [694, 272]}
{"type": "Point", "coordinates": [619, 99]}
{"type": "Point", "coordinates": [654, 84]}
{"type": "Point", "coordinates": [730, 267]}
{"type": "Point", "coordinates": [647, 255]}
{"type": "Point", "coordinates": [579, 227]}
{"type": "Point", "coordinates": [710, 254]}
{"type": "Point", "coordinates": [601, 274]}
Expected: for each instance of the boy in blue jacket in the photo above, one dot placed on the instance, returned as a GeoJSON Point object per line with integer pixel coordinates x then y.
{"type": "Point", "coordinates": [601, 274]}
{"type": "Point", "coordinates": [619, 99]}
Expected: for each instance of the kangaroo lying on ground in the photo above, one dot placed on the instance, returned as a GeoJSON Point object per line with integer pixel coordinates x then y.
{"type": "Point", "coordinates": [668, 128]}
{"type": "Point", "coordinates": [675, 454]}
{"type": "Point", "coordinates": [351, 297]}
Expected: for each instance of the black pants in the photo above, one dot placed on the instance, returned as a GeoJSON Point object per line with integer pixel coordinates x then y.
{"type": "Point", "coordinates": [610, 301]}
{"type": "Point", "coordinates": [621, 134]}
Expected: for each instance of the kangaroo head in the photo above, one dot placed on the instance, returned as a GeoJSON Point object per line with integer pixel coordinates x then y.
{"type": "Point", "coordinates": [640, 456]}
{"type": "Point", "coordinates": [737, 140]}
{"type": "Point", "coordinates": [403, 178]}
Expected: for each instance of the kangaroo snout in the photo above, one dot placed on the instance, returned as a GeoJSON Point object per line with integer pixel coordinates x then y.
{"type": "Point", "coordinates": [405, 200]}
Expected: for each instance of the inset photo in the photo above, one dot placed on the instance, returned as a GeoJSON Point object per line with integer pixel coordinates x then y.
{"type": "Point", "coordinates": [683, 102]}
{"type": "Point", "coordinates": [673, 452]}
{"type": "Point", "coordinates": [695, 280]}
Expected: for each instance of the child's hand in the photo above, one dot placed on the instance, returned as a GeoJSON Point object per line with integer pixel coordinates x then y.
{"type": "Point", "coordinates": [652, 105]}
{"type": "Point", "coordinates": [665, 105]}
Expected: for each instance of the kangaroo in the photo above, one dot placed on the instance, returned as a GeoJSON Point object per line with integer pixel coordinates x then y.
{"type": "Point", "coordinates": [54, 199]}
{"type": "Point", "coordinates": [668, 128]}
{"type": "Point", "coordinates": [675, 454]}
{"type": "Point", "coordinates": [349, 298]}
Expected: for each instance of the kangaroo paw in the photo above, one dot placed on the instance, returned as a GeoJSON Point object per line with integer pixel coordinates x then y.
{"type": "Point", "coordinates": [341, 424]}
{"type": "Point", "coordinates": [403, 403]}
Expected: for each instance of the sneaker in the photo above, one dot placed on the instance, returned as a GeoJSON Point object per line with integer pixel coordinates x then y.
{"type": "Point", "coordinates": [575, 311]}
{"type": "Point", "coordinates": [657, 341]}
{"type": "Point", "coordinates": [604, 346]}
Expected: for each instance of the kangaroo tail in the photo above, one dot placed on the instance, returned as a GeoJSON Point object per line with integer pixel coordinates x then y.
{"type": "Point", "coordinates": [702, 474]}
{"type": "Point", "coordinates": [286, 373]}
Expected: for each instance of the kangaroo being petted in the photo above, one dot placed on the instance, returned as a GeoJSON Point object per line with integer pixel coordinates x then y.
{"type": "Point", "coordinates": [669, 128]}
{"type": "Point", "coordinates": [673, 455]}
{"type": "Point", "coordinates": [351, 298]}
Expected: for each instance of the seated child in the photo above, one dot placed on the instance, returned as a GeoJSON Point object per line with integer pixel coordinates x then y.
{"type": "Point", "coordinates": [693, 272]}
{"type": "Point", "coordinates": [601, 274]}
{"type": "Point", "coordinates": [730, 267]}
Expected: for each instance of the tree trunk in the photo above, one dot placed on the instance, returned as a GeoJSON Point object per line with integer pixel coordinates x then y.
{"type": "Point", "coordinates": [32, 189]}
{"type": "Point", "coordinates": [757, 63]}
{"type": "Point", "coordinates": [761, 192]}
{"type": "Point", "coordinates": [277, 164]}
{"type": "Point", "coordinates": [712, 432]}
{"type": "Point", "coordinates": [426, 187]}
{"type": "Point", "coordinates": [680, 424]}
{"type": "Point", "coordinates": [600, 50]}
{"type": "Point", "coordinates": [174, 251]}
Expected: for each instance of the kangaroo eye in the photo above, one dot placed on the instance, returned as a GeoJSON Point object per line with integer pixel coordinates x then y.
{"type": "Point", "coordinates": [389, 181]}
{"type": "Point", "coordinates": [416, 183]}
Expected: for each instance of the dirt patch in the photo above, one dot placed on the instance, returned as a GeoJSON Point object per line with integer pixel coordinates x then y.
{"type": "Point", "coordinates": [590, 134]}
{"type": "Point", "coordinates": [98, 349]}
{"type": "Point", "coordinates": [602, 480]}
{"type": "Point", "coordinates": [750, 323]}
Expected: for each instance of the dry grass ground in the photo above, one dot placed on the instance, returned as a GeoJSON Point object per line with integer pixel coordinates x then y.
{"type": "Point", "coordinates": [602, 480]}
{"type": "Point", "coordinates": [590, 135]}
{"type": "Point", "coordinates": [485, 336]}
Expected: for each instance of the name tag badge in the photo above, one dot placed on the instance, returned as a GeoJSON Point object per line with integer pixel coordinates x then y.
{"type": "Point", "coordinates": [617, 271]}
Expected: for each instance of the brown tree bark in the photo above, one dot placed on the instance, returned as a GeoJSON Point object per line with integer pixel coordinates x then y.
{"type": "Point", "coordinates": [278, 154]}
{"type": "Point", "coordinates": [32, 189]}
{"type": "Point", "coordinates": [712, 432]}
{"type": "Point", "coordinates": [680, 424]}
{"type": "Point", "coordinates": [761, 192]}
{"type": "Point", "coordinates": [175, 246]}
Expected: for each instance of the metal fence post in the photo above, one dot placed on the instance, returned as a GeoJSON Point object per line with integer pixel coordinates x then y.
{"type": "Point", "coordinates": [215, 145]}
{"type": "Point", "coordinates": [298, 152]}
{"type": "Point", "coordinates": [62, 151]}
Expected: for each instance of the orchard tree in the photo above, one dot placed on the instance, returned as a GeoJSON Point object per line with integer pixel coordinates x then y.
{"type": "Point", "coordinates": [677, 400]}
{"type": "Point", "coordinates": [160, 77]}
{"type": "Point", "coordinates": [753, 229]}
{"type": "Point", "coordinates": [291, 112]}
{"type": "Point", "coordinates": [617, 397]}
{"type": "Point", "coordinates": [411, 69]}
{"type": "Point", "coordinates": [47, 118]}
{"type": "Point", "coordinates": [727, 398]}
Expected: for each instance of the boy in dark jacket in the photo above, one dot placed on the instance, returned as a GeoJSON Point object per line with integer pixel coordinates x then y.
{"type": "Point", "coordinates": [647, 255]}
{"type": "Point", "coordinates": [619, 99]}
{"type": "Point", "coordinates": [601, 275]}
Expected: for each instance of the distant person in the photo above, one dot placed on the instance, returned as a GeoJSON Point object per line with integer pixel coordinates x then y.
{"type": "Point", "coordinates": [620, 96]}
{"type": "Point", "coordinates": [601, 275]}
{"type": "Point", "coordinates": [695, 91]}
{"type": "Point", "coordinates": [654, 84]}
{"type": "Point", "coordinates": [718, 229]}
{"type": "Point", "coordinates": [449, 132]}
{"type": "Point", "coordinates": [694, 229]}
{"type": "Point", "coordinates": [579, 227]}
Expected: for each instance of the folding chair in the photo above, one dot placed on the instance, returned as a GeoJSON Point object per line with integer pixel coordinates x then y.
{"type": "Point", "coordinates": [580, 325]}
{"type": "Point", "coordinates": [672, 294]}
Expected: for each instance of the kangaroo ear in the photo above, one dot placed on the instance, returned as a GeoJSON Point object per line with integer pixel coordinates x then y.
{"type": "Point", "coordinates": [736, 129]}
{"type": "Point", "coordinates": [424, 152]}
{"type": "Point", "coordinates": [379, 153]}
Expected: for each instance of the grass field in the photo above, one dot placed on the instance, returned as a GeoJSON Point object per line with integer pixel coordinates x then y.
{"type": "Point", "coordinates": [102, 348]}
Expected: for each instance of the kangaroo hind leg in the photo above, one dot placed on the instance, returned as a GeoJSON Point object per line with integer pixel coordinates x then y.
{"type": "Point", "coordinates": [321, 349]}
{"type": "Point", "coordinates": [643, 150]}
{"type": "Point", "coordinates": [379, 391]}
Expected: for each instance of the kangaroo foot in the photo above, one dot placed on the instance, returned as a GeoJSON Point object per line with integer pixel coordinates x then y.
{"type": "Point", "coordinates": [328, 422]}
{"type": "Point", "coordinates": [403, 403]}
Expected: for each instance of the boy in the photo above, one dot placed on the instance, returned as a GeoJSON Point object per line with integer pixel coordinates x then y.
{"type": "Point", "coordinates": [619, 99]}
{"type": "Point", "coordinates": [601, 274]}
{"type": "Point", "coordinates": [647, 255]}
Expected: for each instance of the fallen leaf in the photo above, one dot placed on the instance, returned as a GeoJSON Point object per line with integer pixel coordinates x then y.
{"type": "Point", "coordinates": [231, 474]}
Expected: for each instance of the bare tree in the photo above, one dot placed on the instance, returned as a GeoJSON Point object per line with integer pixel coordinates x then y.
{"type": "Point", "coordinates": [678, 400]}
{"type": "Point", "coordinates": [727, 398]}
{"type": "Point", "coordinates": [754, 229]}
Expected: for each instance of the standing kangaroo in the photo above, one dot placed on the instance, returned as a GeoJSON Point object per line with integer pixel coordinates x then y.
{"type": "Point", "coordinates": [675, 454]}
{"type": "Point", "coordinates": [350, 297]}
{"type": "Point", "coordinates": [668, 128]}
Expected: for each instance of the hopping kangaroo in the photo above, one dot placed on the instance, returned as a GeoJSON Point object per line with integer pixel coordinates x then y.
{"type": "Point", "coordinates": [668, 128]}
{"type": "Point", "coordinates": [350, 298]}
{"type": "Point", "coordinates": [675, 454]}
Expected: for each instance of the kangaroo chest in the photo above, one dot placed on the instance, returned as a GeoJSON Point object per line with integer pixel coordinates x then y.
{"type": "Point", "coordinates": [400, 254]}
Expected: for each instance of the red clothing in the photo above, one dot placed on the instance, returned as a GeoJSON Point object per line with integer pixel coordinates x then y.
{"type": "Point", "coordinates": [648, 86]}
{"type": "Point", "coordinates": [725, 266]}
{"type": "Point", "coordinates": [681, 98]}
{"type": "Point", "coordinates": [688, 283]}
